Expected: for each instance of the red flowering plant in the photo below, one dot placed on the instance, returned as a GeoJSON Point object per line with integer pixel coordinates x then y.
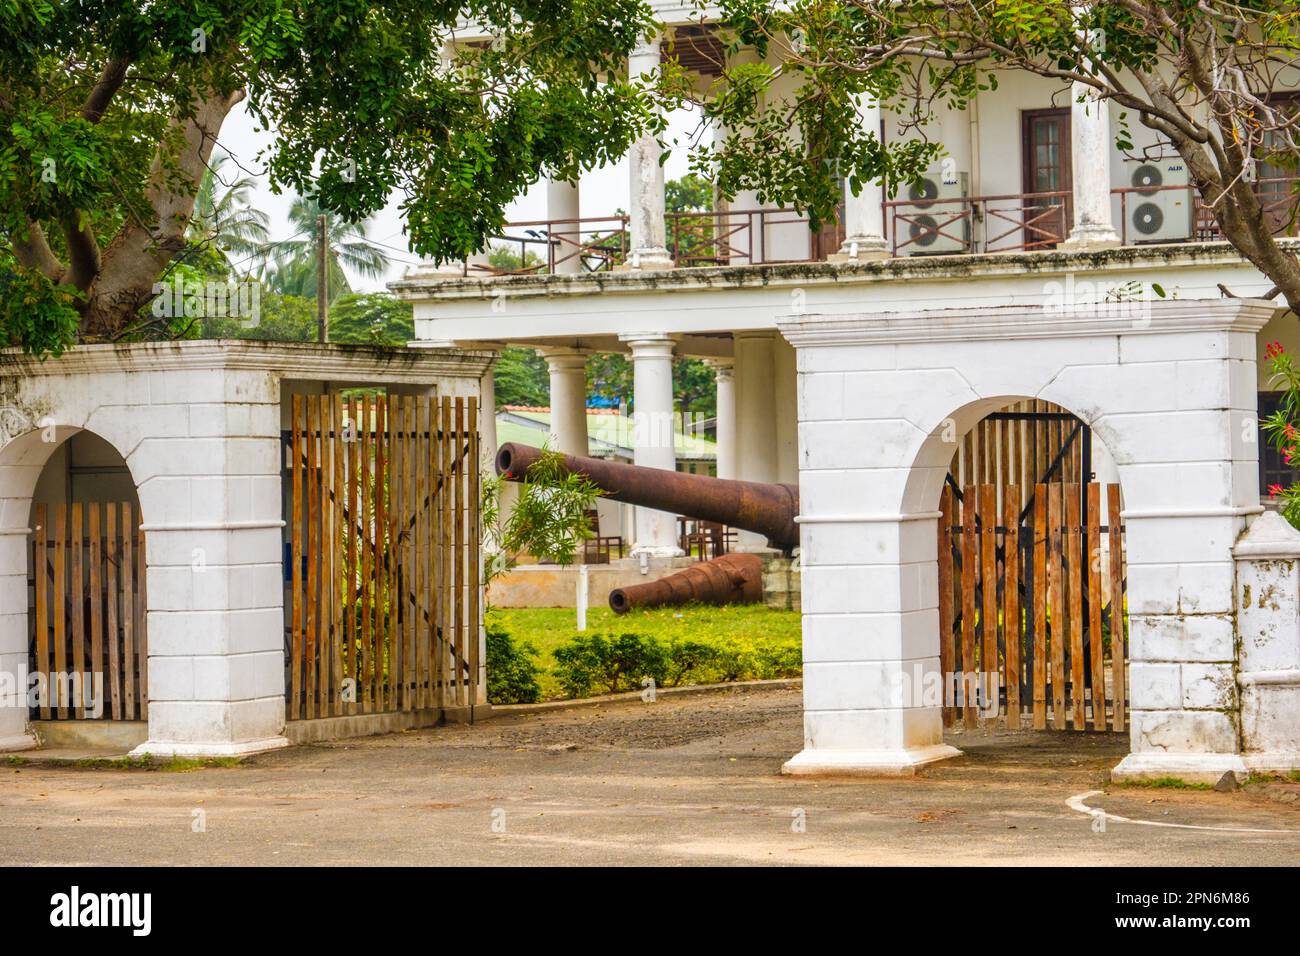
{"type": "Point", "coordinates": [1281, 428]}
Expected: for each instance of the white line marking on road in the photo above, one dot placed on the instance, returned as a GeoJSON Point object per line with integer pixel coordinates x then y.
{"type": "Point", "coordinates": [1077, 804]}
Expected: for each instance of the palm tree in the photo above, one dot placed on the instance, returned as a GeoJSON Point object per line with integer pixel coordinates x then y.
{"type": "Point", "coordinates": [292, 264]}
{"type": "Point", "coordinates": [224, 221]}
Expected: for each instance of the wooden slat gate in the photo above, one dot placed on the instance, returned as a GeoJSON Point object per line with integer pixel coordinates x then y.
{"type": "Point", "coordinates": [1031, 599]}
{"type": "Point", "coordinates": [88, 640]}
{"type": "Point", "coordinates": [383, 608]}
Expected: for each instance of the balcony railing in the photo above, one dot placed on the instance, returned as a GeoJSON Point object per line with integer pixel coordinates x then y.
{"type": "Point", "coordinates": [558, 246]}
{"type": "Point", "coordinates": [739, 237]}
{"type": "Point", "coordinates": [952, 226]}
{"type": "Point", "coordinates": [966, 224]}
{"type": "Point", "coordinates": [1277, 196]}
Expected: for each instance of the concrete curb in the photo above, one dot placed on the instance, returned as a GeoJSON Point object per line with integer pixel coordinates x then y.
{"type": "Point", "coordinates": [509, 710]}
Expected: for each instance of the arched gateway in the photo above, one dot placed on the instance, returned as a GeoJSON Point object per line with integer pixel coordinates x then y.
{"type": "Point", "coordinates": [1169, 387]}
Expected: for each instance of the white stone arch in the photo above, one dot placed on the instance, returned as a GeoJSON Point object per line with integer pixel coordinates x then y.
{"type": "Point", "coordinates": [24, 456]}
{"type": "Point", "coordinates": [1168, 387]}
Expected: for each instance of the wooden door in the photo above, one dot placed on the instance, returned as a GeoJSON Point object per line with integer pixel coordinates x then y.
{"type": "Point", "coordinates": [1045, 139]}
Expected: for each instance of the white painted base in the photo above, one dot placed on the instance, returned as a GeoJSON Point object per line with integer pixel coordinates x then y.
{"type": "Point", "coordinates": [1090, 240]}
{"type": "Point", "coordinates": [646, 262]}
{"type": "Point", "coordinates": [866, 763]}
{"type": "Point", "coordinates": [25, 741]}
{"type": "Point", "coordinates": [656, 552]}
{"type": "Point", "coordinates": [1189, 767]}
{"type": "Point", "coordinates": [165, 748]}
{"type": "Point", "coordinates": [861, 250]}
{"type": "Point", "coordinates": [1272, 763]}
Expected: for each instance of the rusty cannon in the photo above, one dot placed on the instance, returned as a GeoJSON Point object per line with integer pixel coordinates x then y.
{"type": "Point", "coordinates": [754, 506]}
{"type": "Point", "coordinates": [730, 579]}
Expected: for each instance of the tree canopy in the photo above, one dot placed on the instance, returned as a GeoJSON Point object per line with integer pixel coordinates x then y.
{"type": "Point", "coordinates": [110, 109]}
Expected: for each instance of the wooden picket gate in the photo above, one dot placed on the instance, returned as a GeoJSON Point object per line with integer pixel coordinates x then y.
{"type": "Point", "coordinates": [1031, 599]}
{"type": "Point", "coordinates": [88, 610]}
{"type": "Point", "coordinates": [383, 612]}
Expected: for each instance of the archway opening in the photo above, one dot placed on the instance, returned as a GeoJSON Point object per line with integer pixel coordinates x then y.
{"type": "Point", "coordinates": [87, 603]}
{"type": "Point", "coordinates": [1031, 574]}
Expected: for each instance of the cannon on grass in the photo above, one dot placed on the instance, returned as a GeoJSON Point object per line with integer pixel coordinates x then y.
{"type": "Point", "coordinates": [730, 579]}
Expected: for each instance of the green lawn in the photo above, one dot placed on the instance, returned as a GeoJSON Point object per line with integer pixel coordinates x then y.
{"type": "Point", "coordinates": [742, 626]}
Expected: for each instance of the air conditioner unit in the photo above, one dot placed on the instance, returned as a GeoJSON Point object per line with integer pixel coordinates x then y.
{"type": "Point", "coordinates": [1157, 214]}
{"type": "Point", "coordinates": [927, 227]}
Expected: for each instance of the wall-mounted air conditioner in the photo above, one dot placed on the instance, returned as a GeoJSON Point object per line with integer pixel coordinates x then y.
{"type": "Point", "coordinates": [1157, 214]}
{"type": "Point", "coordinates": [926, 226]}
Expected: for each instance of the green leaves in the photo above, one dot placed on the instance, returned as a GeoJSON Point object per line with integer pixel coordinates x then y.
{"type": "Point", "coordinates": [35, 313]}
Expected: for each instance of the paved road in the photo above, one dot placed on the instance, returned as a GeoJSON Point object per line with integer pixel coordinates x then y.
{"type": "Point", "coordinates": [680, 781]}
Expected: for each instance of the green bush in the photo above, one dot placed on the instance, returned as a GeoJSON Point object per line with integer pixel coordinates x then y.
{"type": "Point", "coordinates": [511, 673]}
{"type": "Point", "coordinates": [596, 663]}
{"type": "Point", "coordinates": [609, 664]}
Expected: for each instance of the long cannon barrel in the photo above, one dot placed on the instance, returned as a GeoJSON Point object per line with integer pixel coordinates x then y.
{"type": "Point", "coordinates": [730, 579]}
{"type": "Point", "coordinates": [754, 506]}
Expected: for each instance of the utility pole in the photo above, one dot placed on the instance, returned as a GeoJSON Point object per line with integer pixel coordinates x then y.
{"type": "Point", "coordinates": [322, 281]}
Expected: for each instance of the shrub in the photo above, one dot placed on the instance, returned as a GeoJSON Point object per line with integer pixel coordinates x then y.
{"type": "Point", "coordinates": [609, 664]}
{"type": "Point", "coordinates": [686, 660]}
{"type": "Point", "coordinates": [511, 673]}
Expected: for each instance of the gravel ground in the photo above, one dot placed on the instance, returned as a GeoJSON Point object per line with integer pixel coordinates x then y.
{"type": "Point", "coordinates": [685, 780]}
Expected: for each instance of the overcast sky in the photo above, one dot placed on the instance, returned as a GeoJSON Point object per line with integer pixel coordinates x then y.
{"type": "Point", "coordinates": [602, 190]}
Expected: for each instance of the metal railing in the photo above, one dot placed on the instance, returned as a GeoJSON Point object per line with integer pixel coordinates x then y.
{"type": "Point", "coordinates": [969, 224]}
{"type": "Point", "coordinates": [721, 237]}
{"type": "Point", "coordinates": [1279, 201]}
{"type": "Point", "coordinates": [1014, 222]}
{"type": "Point", "coordinates": [559, 246]}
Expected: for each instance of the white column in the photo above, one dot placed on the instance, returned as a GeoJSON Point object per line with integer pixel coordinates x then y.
{"type": "Point", "coordinates": [864, 216]}
{"type": "Point", "coordinates": [785, 386]}
{"type": "Point", "coordinates": [562, 202]}
{"type": "Point", "coordinates": [647, 243]}
{"type": "Point", "coordinates": [568, 369]}
{"type": "Point", "coordinates": [725, 379]}
{"type": "Point", "coordinates": [1090, 145]}
{"type": "Point", "coordinates": [756, 458]}
{"type": "Point", "coordinates": [654, 427]}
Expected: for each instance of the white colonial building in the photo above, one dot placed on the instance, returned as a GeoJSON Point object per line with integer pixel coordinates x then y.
{"type": "Point", "coordinates": [1036, 265]}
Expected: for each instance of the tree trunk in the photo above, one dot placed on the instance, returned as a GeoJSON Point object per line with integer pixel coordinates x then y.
{"type": "Point", "coordinates": [139, 253]}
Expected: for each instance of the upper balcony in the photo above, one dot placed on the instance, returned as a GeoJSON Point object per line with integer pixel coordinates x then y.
{"type": "Point", "coordinates": [933, 220]}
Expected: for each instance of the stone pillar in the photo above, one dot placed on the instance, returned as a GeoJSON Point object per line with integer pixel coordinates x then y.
{"type": "Point", "coordinates": [562, 202]}
{"type": "Point", "coordinates": [647, 242]}
{"type": "Point", "coordinates": [864, 214]}
{"type": "Point", "coordinates": [568, 369]}
{"type": "Point", "coordinates": [1268, 626]}
{"type": "Point", "coordinates": [725, 379]}
{"type": "Point", "coordinates": [871, 665]}
{"type": "Point", "coordinates": [756, 445]}
{"type": "Point", "coordinates": [1090, 146]}
{"type": "Point", "coordinates": [654, 428]}
{"type": "Point", "coordinates": [487, 420]}
{"type": "Point", "coordinates": [14, 733]}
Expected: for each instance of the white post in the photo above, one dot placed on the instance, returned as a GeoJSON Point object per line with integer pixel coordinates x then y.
{"type": "Point", "coordinates": [725, 378]}
{"type": "Point", "coordinates": [654, 427]}
{"type": "Point", "coordinates": [562, 202]}
{"type": "Point", "coordinates": [1090, 145]}
{"type": "Point", "coordinates": [864, 215]}
{"type": "Point", "coordinates": [583, 591]}
{"type": "Point", "coordinates": [568, 399]}
{"type": "Point", "coordinates": [647, 242]}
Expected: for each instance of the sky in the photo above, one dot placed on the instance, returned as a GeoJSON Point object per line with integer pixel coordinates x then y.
{"type": "Point", "coordinates": [602, 191]}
